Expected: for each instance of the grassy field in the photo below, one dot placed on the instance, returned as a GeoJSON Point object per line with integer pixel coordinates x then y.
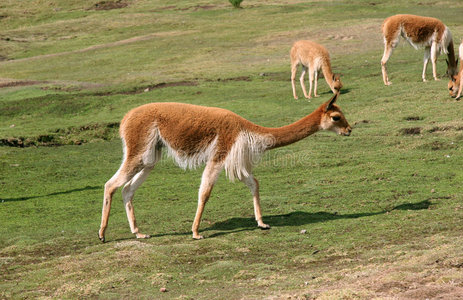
{"type": "Point", "coordinates": [378, 214]}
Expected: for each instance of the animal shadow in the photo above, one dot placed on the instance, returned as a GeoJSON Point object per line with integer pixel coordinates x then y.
{"type": "Point", "coordinates": [51, 194]}
{"type": "Point", "coordinates": [299, 218]}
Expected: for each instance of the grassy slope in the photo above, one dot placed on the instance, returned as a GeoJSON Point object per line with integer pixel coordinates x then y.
{"type": "Point", "coordinates": [382, 209]}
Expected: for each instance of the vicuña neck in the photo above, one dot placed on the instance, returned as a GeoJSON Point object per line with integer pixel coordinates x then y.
{"type": "Point", "coordinates": [451, 57]}
{"type": "Point", "coordinates": [327, 72]}
{"type": "Point", "coordinates": [294, 132]}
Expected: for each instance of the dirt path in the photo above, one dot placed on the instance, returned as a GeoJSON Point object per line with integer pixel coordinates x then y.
{"type": "Point", "coordinates": [102, 46]}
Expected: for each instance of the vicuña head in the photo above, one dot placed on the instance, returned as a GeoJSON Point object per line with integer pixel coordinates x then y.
{"type": "Point", "coordinates": [336, 84]}
{"type": "Point", "coordinates": [195, 135]}
{"type": "Point", "coordinates": [455, 84]}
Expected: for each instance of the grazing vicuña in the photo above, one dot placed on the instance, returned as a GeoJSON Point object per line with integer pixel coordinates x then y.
{"type": "Point", "coordinates": [430, 33]}
{"type": "Point", "coordinates": [312, 57]}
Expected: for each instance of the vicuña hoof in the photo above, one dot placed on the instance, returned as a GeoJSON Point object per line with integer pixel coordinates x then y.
{"type": "Point", "coordinates": [102, 239]}
{"type": "Point", "coordinates": [142, 236]}
{"type": "Point", "coordinates": [264, 226]}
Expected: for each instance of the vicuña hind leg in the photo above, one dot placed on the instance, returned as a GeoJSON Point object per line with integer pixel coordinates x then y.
{"type": "Point", "coordinates": [127, 194]}
{"type": "Point", "coordinates": [427, 54]}
{"type": "Point", "coordinates": [301, 79]}
{"type": "Point", "coordinates": [122, 176]}
{"type": "Point", "coordinates": [387, 54]}
{"type": "Point", "coordinates": [434, 54]}
{"type": "Point", "coordinates": [253, 185]}
{"type": "Point", "coordinates": [210, 174]}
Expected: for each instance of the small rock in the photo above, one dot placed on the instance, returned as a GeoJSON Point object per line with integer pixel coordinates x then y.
{"type": "Point", "coordinates": [12, 126]}
{"type": "Point", "coordinates": [146, 90]}
{"type": "Point", "coordinates": [163, 290]}
{"type": "Point", "coordinates": [303, 231]}
{"type": "Point", "coordinates": [433, 191]}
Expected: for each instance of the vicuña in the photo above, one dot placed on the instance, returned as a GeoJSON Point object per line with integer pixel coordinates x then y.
{"type": "Point", "coordinates": [194, 135]}
{"type": "Point", "coordinates": [430, 33]}
{"type": "Point", "coordinates": [312, 57]}
{"type": "Point", "coordinates": [456, 81]}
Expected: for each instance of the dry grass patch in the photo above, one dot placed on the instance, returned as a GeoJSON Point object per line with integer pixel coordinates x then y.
{"type": "Point", "coordinates": [432, 269]}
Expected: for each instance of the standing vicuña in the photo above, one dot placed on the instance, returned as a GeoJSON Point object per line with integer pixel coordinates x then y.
{"type": "Point", "coordinates": [456, 81]}
{"type": "Point", "coordinates": [312, 57]}
{"type": "Point", "coordinates": [194, 135]}
{"type": "Point", "coordinates": [418, 31]}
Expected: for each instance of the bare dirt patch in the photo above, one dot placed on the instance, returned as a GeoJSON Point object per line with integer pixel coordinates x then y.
{"type": "Point", "coordinates": [64, 136]}
{"type": "Point", "coordinates": [362, 122]}
{"type": "Point", "coordinates": [147, 88]}
{"type": "Point", "coordinates": [165, 85]}
{"type": "Point", "coordinates": [20, 83]}
{"type": "Point", "coordinates": [413, 118]}
{"type": "Point", "coordinates": [108, 5]}
{"type": "Point", "coordinates": [198, 7]}
{"type": "Point", "coordinates": [410, 131]}
{"type": "Point", "coordinates": [194, 8]}
{"type": "Point", "coordinates": [239, 78]}
{"type": "Point", "coordinates": [276, 76]}
{"type": "Point", "coordinates": [445, 128]}
{"type": "Point", "coordinates": [203, 7]}
{"type": "Point", "coordinates": [166, 8]}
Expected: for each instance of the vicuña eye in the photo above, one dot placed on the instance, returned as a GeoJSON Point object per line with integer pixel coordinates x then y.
{"type": "Point", "coordinates": [336, 118]}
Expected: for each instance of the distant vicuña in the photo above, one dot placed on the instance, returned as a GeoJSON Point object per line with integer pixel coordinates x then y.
{"type": "Point", "coordinates": [418, 31]}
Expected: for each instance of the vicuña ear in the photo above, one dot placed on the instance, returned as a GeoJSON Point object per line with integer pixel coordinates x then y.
{"type": "Point", "coordinates": [334, 77]}
{"type": "Point", "coordinates": [331, 102]}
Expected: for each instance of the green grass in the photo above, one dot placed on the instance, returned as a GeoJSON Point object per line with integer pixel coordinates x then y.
{"type": "Point", "coordinates": [381, 209]}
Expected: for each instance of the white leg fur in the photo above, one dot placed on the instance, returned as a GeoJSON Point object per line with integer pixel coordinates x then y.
{"type": "Point", "coordinates": [311, 75]}
{"type": "Point", "coordinates": [427, 55]}
{"type": "Point", "coordinates": [315, 76]}
{"type": "Point", "coordinates": [293, 78]}
{"type": "Point", "coordinates": [387, 54]}
{"type": "Point", "coordinates": [127, 194]}
{"type": "Point", "coordinates": [434, 55]}
{"type": "Point", "coordinates": [301, 79]}
{"type": "Point", "coordinates": [253, 185]}
{"type": "Point", "coordinates": [459, 90]}
{"type": "Point", "coordinates": [209, 177]}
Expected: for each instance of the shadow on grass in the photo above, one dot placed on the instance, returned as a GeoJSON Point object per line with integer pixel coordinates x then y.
{"type": "Point", "coordinates": [345, 91]}
{"type": "Point", "coordinates": [329, 92]}
{"type": "Point", "coordinates": [51, 194]}
{"type": "Point", "coordinates": [297, 218]}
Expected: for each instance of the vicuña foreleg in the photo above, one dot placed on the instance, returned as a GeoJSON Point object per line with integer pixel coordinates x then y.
{"type": "Point", "coordinates": [253, 185]}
